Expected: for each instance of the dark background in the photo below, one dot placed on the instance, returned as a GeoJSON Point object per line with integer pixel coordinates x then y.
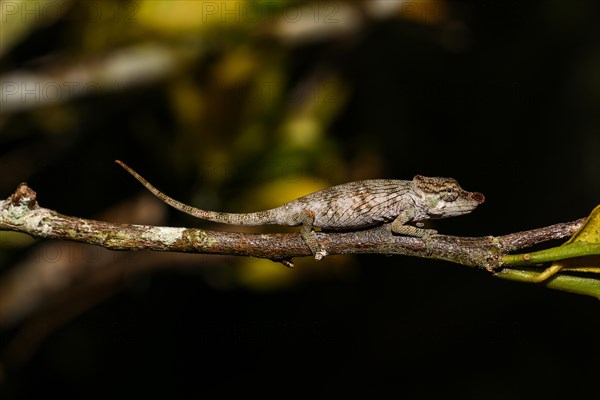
{"type": "Point", "coordinates": [502, 96]}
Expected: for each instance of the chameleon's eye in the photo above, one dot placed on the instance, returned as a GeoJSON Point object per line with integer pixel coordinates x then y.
{"type": "Point", "coordinates": [449, 194]}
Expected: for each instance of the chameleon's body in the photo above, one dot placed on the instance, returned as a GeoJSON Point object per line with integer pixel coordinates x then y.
{"type": "Point", "coordinates": [351, 206]}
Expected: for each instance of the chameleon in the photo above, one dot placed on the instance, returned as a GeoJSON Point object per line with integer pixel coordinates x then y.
{"type": "Point", "coordinates": [349, 206]}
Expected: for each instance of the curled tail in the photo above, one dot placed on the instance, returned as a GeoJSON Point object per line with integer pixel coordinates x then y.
{"type": "Point", "coordinates": [266, 217]}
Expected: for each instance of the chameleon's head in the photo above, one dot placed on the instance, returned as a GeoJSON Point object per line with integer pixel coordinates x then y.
{"type": "Point", "coordinates": [442, 198]}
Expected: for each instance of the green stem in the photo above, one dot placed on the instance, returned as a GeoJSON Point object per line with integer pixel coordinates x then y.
{"type": "Point", "coordinates": [590, 270]}
{"type": "Point", "coordinates": [568, 250]}
{"type": "Point", "coordinates": [567, 283]}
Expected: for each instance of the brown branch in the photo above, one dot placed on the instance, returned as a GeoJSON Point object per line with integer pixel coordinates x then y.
{"type": "Point", "coordinates": [521, 240]}
{"type": "Point", "coordinates": [47, 307]}
{"type": "Point", "coordinates": [20, 212]}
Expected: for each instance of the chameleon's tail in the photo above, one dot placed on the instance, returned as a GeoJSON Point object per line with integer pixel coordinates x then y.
{"type": "Point", "coordinates": [257, 218]}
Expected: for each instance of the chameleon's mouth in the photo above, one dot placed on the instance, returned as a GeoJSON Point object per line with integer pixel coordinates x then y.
{"type": "Point", "coordinates": [466, 203]}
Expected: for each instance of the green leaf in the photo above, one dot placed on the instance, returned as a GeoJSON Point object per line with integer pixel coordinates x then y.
{"type": "Point", "coordinates": [581, 253]}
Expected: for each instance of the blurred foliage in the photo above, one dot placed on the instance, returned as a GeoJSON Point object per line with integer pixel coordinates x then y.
{"type": "Point", "coordinates": [236, 105]}
{"type": "Point", "coordinates": [233, 111]}
{"type": "Point", "coordinates": [239, 105]}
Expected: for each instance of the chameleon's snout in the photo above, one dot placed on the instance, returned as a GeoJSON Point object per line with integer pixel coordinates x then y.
{"type": "Point", "coordinates": [478, 197]}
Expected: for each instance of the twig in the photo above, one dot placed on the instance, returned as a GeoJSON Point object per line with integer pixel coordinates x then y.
{"type": "Point", "coordinates": [21, 212]}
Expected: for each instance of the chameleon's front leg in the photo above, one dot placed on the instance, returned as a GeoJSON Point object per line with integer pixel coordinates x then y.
{"type": "Point", "coordinates": [399, 226]}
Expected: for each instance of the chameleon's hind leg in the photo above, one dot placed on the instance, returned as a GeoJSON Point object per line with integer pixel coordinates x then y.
{"type": "Point", "coordinates": [308, 235]}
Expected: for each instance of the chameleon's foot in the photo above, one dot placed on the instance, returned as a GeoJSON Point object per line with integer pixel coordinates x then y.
{"type": "Point", "coordinates": [309, 237]}
{"type": "Point", "coordinates": [427, 238]}
{"type": "Point", "coordinates": [321, 254]}
{"type": "Point", "coordinates": [408, 230]}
